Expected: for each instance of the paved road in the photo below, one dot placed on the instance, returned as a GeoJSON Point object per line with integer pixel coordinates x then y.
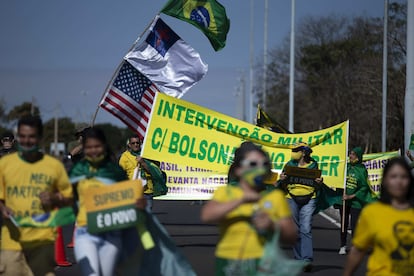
{"type": "Point", "coordinates": [197, 241]}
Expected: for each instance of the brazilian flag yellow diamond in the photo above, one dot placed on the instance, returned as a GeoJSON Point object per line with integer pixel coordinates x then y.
{"type": "Point", "coordinates": [207, 15]}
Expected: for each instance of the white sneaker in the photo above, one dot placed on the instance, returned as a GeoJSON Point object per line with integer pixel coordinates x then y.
{"type": "Point", "coordinates": [342, 250]}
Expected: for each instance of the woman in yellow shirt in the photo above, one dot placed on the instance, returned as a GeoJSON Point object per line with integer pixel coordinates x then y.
{"type": "Point", "coordinates": [247, 213]}
{"type": "Point", "coordinates": [97, 254]}
{"type": "Point", "coordinates": [387, 226]}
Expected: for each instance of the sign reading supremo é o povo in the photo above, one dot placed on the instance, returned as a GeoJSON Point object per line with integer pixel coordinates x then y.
{"type": "Point", "coordinates": [113, 207]}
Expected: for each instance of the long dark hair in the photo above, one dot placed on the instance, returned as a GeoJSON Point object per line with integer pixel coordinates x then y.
{"type": "Point", "coordinates": [385, 196]}
{"type": "Point", "coordinates": [240, 155]}
{"type": "Point", "coordinates": [98, 134]}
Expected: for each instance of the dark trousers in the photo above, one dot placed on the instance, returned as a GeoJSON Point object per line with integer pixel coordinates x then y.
{"type": "Point", "coordinates": [354, 213]}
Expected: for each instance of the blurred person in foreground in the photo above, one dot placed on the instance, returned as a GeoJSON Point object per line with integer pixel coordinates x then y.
{"type": "Point", "coordinates": [97, 254]}
{"type": "Point", "coordinates": [31, 183]}
{"type": "Point", "coordinates": [148, 170]}
{"type": "Point", "coordinates": [302, 202]}
{"type": "Point", "coordinates": [247, 213]}
{"type": "Point", "coordinates": [357, 194]}
{"type": "Point", "coordinates": [387, 227]}
{"type": "Point", "coordinates": [7, 143]}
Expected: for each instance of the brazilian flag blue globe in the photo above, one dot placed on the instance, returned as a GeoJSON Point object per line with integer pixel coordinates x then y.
{"type": "Point", "coordinates": [207, 15]}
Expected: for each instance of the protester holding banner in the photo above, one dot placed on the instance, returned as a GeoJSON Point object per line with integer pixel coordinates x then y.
{"type": "Point", "coordinates": [387, 226]}
{"type": "Point", "coordinates": [31, 183]}
{"type": "Point", "coordinates": [302, 201]}
{"type": "Point", "coordinates": [149, 170]}
{"type": "Point", "coordinates": [357, 194]}
{"type": "Point", "coordinates": [95, 254]}
{"type": "Point", "coordinates": [247, 213]}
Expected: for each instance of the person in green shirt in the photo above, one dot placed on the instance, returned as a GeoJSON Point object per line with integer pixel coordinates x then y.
{"type": "Point", "coordinates": [357, 194]}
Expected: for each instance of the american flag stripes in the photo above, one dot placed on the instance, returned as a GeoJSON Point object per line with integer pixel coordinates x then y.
{"type": "Point", "coordinates": [130, 98]}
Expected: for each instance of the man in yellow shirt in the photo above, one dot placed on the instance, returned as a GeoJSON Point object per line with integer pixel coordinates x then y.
{"type": "Point", "coordinates": [31, 183]}
{"type": "Point", "coordinates": [149, 170]}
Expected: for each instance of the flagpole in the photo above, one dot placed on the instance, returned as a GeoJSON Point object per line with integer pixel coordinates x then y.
{"type": "Point", "coordinates": [409, 90]}
{"type": "Point", "coordinates": [343, 230]}
{"type": "Point", "coordinates": [120, 65]}
{"type": "Point", "coordinates": [266, 13]}
{"type": "Point", "coordinates": [384, 79]}
{"type": "Point", "coordinates": [292, 69]}
{"type": "Point", "coordinates": [251, 59]}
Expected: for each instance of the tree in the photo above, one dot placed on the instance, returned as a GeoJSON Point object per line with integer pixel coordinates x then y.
{"type": "Point", "coordinates": [338, 74]}
{"type": "Point", "coordinates": [66, 131]}
{"type": "Point", "coordinates": [24, 109]}
{"type": "Point", "coordinates": [115, 136]}
{"type": "Point", "coordinates": [2, 110]}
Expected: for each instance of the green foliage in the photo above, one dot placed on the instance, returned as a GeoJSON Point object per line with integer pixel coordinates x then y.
{"type": "Point", "coordinates": [22, 110]}
{"type": "Point", "coordinates": [66, 131]}
{"type": "Point", "coordinates": [338, 74]}
{"type": "Point", "coordinates": [2, 110]}
{"type": "Point", "coordinates": [115, 136]}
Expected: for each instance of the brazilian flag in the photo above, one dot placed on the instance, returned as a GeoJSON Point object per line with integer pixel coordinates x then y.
{"type": "Point", "coordinates": [207, 15]}
{"type": "Point", "coordinates": [57, 217]}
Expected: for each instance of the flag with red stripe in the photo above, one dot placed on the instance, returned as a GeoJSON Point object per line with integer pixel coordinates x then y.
{"type": "Point", "coordinates": [130, 98]}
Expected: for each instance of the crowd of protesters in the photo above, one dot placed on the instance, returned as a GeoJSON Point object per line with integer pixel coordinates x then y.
{"type": "Point", "coordinates": [250, 213]}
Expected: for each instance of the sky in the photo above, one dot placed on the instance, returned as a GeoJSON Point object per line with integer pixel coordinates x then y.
{"type": "Point", "coordinates": [61, 54]}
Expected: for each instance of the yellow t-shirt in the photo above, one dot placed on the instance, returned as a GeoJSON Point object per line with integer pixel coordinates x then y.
{"type": "Point", "coordinates": [128, 162]}
{"type": "Point", "coordinates": [390, 233]}
{"type": "Point", "coordinates": [299, 189]}
{"type": "Point", "coordinates": [20, 185]}
{"type": "Point", "coordinates": [238, 238]}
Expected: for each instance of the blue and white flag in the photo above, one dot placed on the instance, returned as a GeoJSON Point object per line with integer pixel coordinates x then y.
{"type": "Point", "coordinates": [167, 60]}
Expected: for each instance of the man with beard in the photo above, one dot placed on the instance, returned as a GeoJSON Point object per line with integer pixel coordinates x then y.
{"type": "Point", "coordinates": [404, 233]}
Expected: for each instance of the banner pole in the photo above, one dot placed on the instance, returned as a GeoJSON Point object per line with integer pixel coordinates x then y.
{"type": "Point", "coordinates": [119, 67]}
{"type": "Point", "coordinates": [292, 69]}
{"type": "Point", "coordinates": [346, 171]}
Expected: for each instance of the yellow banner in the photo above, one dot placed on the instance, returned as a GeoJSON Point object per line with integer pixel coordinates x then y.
{"type": "Point", "coordinates": [375, 162]}
{"type": "Point", "coordinates": [186, 134]}
{"type": "Point", "coordinates": [112, 196]}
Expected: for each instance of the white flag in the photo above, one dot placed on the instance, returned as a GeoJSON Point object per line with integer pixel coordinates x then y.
{"type": "Point", "coordinates": [167, 60]}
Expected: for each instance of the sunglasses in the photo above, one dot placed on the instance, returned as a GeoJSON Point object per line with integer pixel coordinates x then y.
{"type": "Point", "coordinates": [254, 163]}
{"type": "Point", "coordinates": [7, 140]}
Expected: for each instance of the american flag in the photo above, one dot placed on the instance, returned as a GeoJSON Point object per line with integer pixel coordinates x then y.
{"type": "Point", "coordinates": [130, 98]}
